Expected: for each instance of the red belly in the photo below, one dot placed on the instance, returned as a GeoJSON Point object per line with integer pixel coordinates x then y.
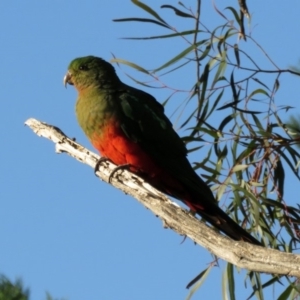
{"type": "Point", "coordinates": [116, 146]}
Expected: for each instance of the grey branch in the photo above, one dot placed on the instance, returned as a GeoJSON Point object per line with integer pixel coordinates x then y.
{"type": "Point", "coordinates": [241, 254]}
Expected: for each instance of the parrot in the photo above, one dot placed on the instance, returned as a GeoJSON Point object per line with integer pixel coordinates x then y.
{"type": "Point", "coordinates": [129, 127]}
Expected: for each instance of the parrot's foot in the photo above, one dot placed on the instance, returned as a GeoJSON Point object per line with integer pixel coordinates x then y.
{"type": "Point", "coordinates": [99, 162]}
{"type": "Point", "coordinates": [111, 175]}
{"type": "Point", "coordinates": [121, 167]}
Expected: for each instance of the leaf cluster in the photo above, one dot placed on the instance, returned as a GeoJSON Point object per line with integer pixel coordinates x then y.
{"type": "Point", "coordinates": [231, 109]}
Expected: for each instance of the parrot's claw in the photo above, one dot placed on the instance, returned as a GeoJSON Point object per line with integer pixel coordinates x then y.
{"type": "Point", "coordinates": [121, 167]}
{"type": "Point", "coordinates": [99, 162]}
{"type": "Point", "coordinates": [111, 175]}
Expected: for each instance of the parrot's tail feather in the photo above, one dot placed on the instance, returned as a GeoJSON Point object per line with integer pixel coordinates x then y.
{"type": "Point", "coordinates": [219, 219]}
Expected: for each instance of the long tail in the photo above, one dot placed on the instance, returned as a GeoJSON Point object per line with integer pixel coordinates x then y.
{"type": "Point", "coordinates": [199, 197]}
{"type": "Point", "coordinates": [180, 181]}
{"type": "Point", "coordinates": [219, 219]}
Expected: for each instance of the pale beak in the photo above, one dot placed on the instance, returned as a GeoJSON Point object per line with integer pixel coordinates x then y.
{"type": "Point", "coordinates": [68, 79]}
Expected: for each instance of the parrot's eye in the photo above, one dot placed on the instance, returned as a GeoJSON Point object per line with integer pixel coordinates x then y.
{"type": "Point", "coordinates": [83, 67]}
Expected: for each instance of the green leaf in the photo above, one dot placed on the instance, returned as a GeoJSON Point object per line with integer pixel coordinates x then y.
{"type": "Point", "coordinates": [231, 104]}
{"type": "Point", "coordinates": [12, 291]}
{"type": "Point", "coordinates": [128, 63]}
{"type": "Point", "coordinates": [286, 293]}
{"type": "Point", "coordinates": [282, 155]}
{"type": "Point", "coordinates": [221, 69]}
{"type": "Point", "coordinates": [177, 34]}
{"type": "Point", "coordinates": [237, 54]}
{"type": "Point", "coordinates": [205, 53]}
{"type": "Point", "coordinates": [256, 285]}
{"type": "Point", "coordinates": [224, 286]}
{"type": "Point", "coordinates": [176, 68]}
{"type": "Point", "coordinates": [203, 80]}
{"type": "Point", "coordinates": [276, 85]}
{"type": "Point", "coordinates": [232, 84]}
{"type": "Point", "coordinates": [211, 132]}
{"type": "Point", "coordinates": [257, 122]}
{"type": "Point", "coordinates": [215, 104]}
{"type": "Point", "coordinates": [226, 121]}
{"type": "Point", "coordinates": [257, 184]}
{"type": "Point", "coordinates": [230, 281]}
{"type": "Point", "coordinates": [194, 149]}
{"type": "Point", "coordinates": [178, 12]}
{"type": "Point", "coordinates": [279, 176]}
{"type": "Point", "coordinates": [180, 55]}
{"type": "Point", "coordinates": [235, 13]}
{"type": "Point", "coordinates": [197, 282]}
{"type": "Point", "coordinates": [258, 91]}
{"type": "Point", "coordinates": [222, 188]}
{"type": "Point", "coordinates": [238, 168]}
{"type": "Point", "coordinates": [203, 162]}
{"type": "Point", "coordinates": [257, 80]}
{"type": "Point", "coordinates": [141, 20]}
{"type": "Point", "coordinates": [149, 10]}
{"type": "Point", "coordinates": [189, 118]}
{"type": "Point", "coordinates": [142, 83]}
{"type": "Point", "coordinates": [203, 111]}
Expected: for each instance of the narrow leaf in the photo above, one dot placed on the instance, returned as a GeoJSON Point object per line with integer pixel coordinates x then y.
{"type": "Point", "coordinates": [231, 104]}
{"type": "Point", "coordinates": [286, 293]}
{"type": "Point", "coordinates": [258, 91]}
{"type": "Point", "coordinates": [203, 80]}
{"type": "Point", "coordinates": [235, 13]}
{"type": "Point", "coordinates": [276, 85]}
{"type": "Point", "coordinates": [198, 280]}
{"type": "Point", "coordinates": [237, 54]}
{"type": "Point", "coordinates": [141, 20]}
{"type": "Point", "coordinates": [179, 56]}
{"type": "Point", "coordinates": [226, 121]}
{"type": "Point", "coordinates": [216, 102]}
{"type": "Point", "coordinates": [221, 69]}
{"type": "Point", "coordinates": [232, 84]}
{"type": "Point", "coordinates": [128, 63]}
{"type": "Point", "coordinates": [279, 176]}
{"type": "Point", "coordinates": [178, 12]}
{"type": "Point", "coordinates": [142, 83]}
{"type": "Point", "coordinates": [182, 33]}
{"type": "Point", "coordinates": [149, 10]}
{"type": "Point", "coordinates": [230, 277]}
{"type": "Point", "coordinates": [224, 286]}
{"type": "Point", "coordinates": [222, 188]}
{"type": "Point", "coordinates": [238, 168]}
{"type": "Point", "coordinates": [257, 80]}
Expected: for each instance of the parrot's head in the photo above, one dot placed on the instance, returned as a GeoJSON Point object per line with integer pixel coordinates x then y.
{"type": "Point", "coordinates": [90, 71]}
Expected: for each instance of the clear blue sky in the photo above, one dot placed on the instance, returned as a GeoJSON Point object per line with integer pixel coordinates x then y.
{"type": "Point", "coordinates": [62, 230]}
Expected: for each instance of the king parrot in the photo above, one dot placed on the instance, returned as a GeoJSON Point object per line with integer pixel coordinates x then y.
{"type": "Point", "coordinates": [129, 127]}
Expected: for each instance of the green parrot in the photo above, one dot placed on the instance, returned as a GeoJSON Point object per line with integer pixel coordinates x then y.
{"type": "Point", "coordinates": [129, 127]}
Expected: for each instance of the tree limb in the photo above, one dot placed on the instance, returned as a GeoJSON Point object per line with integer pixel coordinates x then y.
{"type": "Point", "coordinates": [241, 254]}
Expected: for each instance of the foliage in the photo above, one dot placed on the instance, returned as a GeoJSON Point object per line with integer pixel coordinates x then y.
{"type": "Point", "coordinates": [231, 107]}
{"type": "Point", "coordinates": [12, 291]}
{"type": "Point", "coordinates": [15, 291]}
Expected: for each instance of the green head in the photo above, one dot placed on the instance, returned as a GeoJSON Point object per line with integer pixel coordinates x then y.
{"type": "Point", "coordinates": [90, 71]}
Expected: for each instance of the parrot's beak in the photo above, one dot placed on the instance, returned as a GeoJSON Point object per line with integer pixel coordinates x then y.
{"type": "Point", "coordinates": [68, 79]}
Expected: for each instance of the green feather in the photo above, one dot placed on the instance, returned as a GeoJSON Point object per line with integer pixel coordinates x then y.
{"type": "Point", "coordinates": [103, 96]}
{"type": "Point", "coordinates": [105, 103]}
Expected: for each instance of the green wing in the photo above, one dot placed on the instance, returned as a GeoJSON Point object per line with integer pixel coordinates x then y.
{"type": "Point", "coordinates": [145, 123]}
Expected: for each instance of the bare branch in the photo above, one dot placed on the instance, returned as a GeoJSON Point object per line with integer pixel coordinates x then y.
{"type": "Point", "coordinates": [241, 254]}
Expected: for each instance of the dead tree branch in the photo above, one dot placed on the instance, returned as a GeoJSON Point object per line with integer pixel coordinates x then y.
{"type": "Point", "coordinates": [241, 254]}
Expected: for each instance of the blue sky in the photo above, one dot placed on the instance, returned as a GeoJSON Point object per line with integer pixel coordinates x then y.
{"type": "Point", "coordinates": [62, 230]}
